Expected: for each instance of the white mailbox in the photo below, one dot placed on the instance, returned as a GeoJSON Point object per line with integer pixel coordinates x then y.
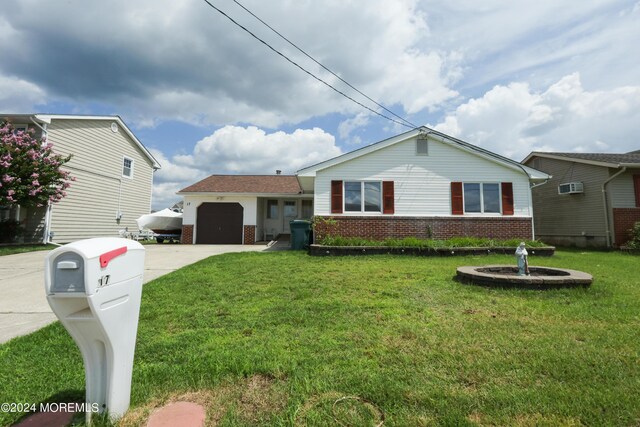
{"type": "Point", "coordinates": [94, 286]}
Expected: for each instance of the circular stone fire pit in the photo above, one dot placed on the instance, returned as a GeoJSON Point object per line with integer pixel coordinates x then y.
{"type": "Point", "coordinates": [506, 276]}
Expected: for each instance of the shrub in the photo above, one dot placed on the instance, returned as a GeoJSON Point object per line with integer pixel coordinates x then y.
{"type": "Point", "coordinates": [31, 174]}
{"type": "Point", "coordinates": [10, 230]}
{"type": "Point", "coordinates": [635, 236]}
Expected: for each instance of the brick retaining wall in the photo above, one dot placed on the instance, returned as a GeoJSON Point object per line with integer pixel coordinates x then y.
{"type": "Point", "coordinates": [379, 228]}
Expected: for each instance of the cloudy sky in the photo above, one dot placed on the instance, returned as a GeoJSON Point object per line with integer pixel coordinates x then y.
{"type": "Point", "coordinates": [205, 97]}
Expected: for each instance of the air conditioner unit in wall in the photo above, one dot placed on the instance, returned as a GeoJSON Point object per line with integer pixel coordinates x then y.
{"type": "Point", "coordinates": [571, 188]}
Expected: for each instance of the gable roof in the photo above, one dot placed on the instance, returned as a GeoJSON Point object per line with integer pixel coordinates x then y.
{"type": "Point", "coordinates": [46, 118]}
{"type": "Point", "coordinates": [426, 132]}
{"type": "Point", "coordinates": [610, 160]}
{"type": "Point", "coordinates": [249, 184]}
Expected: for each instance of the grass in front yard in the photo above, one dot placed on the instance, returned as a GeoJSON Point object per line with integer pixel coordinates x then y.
{"type": "Point", "coordinates": [18, 249]}
{"type": "Point", "coordinates": [282, 338]}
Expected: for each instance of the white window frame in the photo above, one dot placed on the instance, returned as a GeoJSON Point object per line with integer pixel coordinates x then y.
{"type": "Point", "coordinates": [277, 212]}
{"type": "Point", "coordinates": [18, 126]}
{"type": "Point", "coordinates": [125, 158]}
{"type": "Point", "coordinates": [362, 198]}
{"type": "Point", "coordinates": [482, 212]}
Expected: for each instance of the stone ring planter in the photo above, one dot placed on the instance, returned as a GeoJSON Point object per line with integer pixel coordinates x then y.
{"type": "Point", "coordinates": [505, 276]}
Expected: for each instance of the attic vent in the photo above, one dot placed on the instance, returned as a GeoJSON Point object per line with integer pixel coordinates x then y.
{"type": "Point", "coordinates": [422, 147]}
{"type": "Point", "coordinates": [571, 188]}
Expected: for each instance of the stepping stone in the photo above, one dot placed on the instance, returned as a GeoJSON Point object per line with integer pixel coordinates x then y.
{"type": "Point", "coordinates": [47, 419]}
{"type": "Point", "coordinates": [183, 414]}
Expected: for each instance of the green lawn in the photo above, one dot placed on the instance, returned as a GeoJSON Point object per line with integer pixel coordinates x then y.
{"type": "Point", "coordinates": [18, 249]}
{"type": "Point", "coordinates": [280, 338]}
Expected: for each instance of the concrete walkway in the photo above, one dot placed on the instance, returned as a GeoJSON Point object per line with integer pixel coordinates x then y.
{"type": "Point", "coordinates": [23, 304]}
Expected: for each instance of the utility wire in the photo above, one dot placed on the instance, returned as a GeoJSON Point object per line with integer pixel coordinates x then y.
{"type": "Point", "coordinates": [305, 70]}
{"type": "Point", "coordinates": [321, 65]}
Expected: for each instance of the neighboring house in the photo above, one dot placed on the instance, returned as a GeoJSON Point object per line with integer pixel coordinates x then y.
{"type": "Point", "coordinates": [113, 171]}
{"type": "Point", "coordinates": [421, 183]}
{"type": "Point", "coordinates": [242, 209]}
{"type": "Point", "coordinates": [592, 200]}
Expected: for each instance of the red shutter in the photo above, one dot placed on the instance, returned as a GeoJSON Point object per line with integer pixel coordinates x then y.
{"type": "Point", "coordinates": [336, 197]}
{"type": "Point", "coordinates": [636, 186]}
{"type": "Point", "coordinates": [456, 198]}
{"type": "Point", "coordinates": [507, 198]}
{"type": "Point", "coordinates": [387, 197]}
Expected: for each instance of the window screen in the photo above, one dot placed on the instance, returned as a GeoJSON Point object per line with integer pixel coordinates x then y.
{"type": "Point", "coordinates": [372, 197]}
{"type": "Point", "coordinates": [352, 196]}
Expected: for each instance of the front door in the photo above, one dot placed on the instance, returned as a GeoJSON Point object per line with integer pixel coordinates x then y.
{"type": "Point", "coordinates": [290, 213]}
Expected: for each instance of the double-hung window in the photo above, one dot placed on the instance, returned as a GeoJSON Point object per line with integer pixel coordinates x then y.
{"type": "Point", "coordinates": [363, 196]}
{"type": "Point", "coordinates": [127, 167]}
{"type": "Point", "coordinates": [481, 197]}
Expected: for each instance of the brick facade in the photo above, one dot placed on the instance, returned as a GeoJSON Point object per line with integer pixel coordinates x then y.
{"type": "Point", "coordinates": [379, 228]}
{"type": "Point", "coordinates": [623, 220]}
{"type": "Point", "coordinates": [187, 235]}
{"type": "Point", "coordinates": [249, 234]}
{"type": "Point", "coordinates": [248, 230]}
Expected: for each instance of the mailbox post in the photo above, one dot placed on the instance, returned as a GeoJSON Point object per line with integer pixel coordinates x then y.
{"type": "Point", "coordinates": [94, 286]}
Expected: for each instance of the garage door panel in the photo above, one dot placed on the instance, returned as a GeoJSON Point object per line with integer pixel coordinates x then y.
{"type": "Point", "coordinates": [219, 223]}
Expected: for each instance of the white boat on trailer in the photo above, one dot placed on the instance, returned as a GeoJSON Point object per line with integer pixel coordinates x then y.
{"type": "Point", "coordinates": [165, 224]}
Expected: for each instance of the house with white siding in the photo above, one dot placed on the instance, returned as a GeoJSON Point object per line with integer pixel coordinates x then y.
{"type": "Point", "coordinates": [113, 178]}
{"type": "Point", "coordinates": [242, 209]}
{"type": "Point", "coordinates": [421, 183]}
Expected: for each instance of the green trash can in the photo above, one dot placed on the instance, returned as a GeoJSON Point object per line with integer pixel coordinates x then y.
{"type": "Point", "coordinates": [300, 231]}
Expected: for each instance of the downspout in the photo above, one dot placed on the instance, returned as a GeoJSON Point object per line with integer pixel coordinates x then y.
{"type": "Point", "coordinates": [47, 217]}
{"type": "Point", "coordinates": [606, 207]}
{"type": "Point", "coordinates": [533, 225]}
{"type": "Point", "coordinates": [119, 213]}
{"type": "Point", "coordinates": [47, 225]}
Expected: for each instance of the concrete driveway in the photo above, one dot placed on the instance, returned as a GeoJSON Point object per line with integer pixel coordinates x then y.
{"type": "Point", "coordinates": [23, 304]}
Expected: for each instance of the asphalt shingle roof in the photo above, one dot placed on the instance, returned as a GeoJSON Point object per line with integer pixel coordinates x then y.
{"type": "Point", "coordinates": [269, 184]}
{"type": "Point", "coordinates": [632, 157]}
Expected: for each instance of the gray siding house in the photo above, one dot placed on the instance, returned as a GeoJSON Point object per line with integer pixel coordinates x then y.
{"type": "Point", "coordinates": [592, 199]}
{"type": "Point", "coordinates": [114, 178]}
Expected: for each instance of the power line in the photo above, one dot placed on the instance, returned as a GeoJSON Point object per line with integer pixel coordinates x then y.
{"type": "Point", "coordinates": [305, 70]}
{"type": "Point", "coordinates": [321, 65]}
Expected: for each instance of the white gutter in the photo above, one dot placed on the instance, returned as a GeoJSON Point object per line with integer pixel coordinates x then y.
{"type": "Point", "coordinates": [606, 208]}
{"type": "Point", "coordinates": [44, 129]}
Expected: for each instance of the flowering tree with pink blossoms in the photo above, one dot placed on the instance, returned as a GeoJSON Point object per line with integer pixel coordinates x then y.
{"type": "Point", "coordinates": [30, 173]}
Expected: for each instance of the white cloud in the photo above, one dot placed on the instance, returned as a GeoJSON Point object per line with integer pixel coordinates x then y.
{"type": "Point", "coordinates": [346, 127]}
{"type": "Point", "coordinates": [514, 120]}
{"type": "Point", "coordinates": [180, 60]}
{"type": "Point", "coordinates": [240, 150]}
{"type": "Point", "coordinates": [172, 172]}
{"type": "Point", "coordinates": [538, 41]}
{"type": "Point", "coordinates": [250, 150]}
{"type": "Point", "coordinates": [18, 95]}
